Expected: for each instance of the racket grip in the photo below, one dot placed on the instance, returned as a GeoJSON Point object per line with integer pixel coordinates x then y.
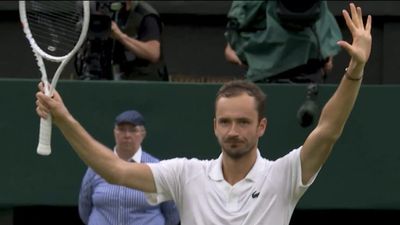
{"type": "Point", "coordinates": [44, 147]}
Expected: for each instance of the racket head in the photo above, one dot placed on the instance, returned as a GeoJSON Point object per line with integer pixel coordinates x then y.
{"type": "Point", "coordinates": [55, 29]}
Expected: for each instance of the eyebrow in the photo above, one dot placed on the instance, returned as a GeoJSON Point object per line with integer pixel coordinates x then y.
{"type": "Point", "coordinates": [235, 119]}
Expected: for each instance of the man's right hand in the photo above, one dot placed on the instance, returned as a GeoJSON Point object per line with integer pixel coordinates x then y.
{"type": "Point", "coordinates": [53, 105]}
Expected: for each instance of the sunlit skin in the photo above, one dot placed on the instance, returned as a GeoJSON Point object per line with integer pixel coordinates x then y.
{"type": "Point", "coordinates": [238, 128]}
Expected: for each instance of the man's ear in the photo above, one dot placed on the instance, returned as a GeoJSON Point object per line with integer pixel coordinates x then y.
{"type": "Point", "coordinates": [262, 126]}
{"type": "Point", "coordinates": [144, 132]}
{"type": "Point", "coordinates": [215, 125]}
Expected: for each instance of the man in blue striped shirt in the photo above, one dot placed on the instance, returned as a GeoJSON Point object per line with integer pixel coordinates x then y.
{"type": "Point", "coordinates": [102, 203]}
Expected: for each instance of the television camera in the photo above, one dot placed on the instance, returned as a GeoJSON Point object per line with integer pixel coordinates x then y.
{"type": "Point", "coordinates": [93, 61]}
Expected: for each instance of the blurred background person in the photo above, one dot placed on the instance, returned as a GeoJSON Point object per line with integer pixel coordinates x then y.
{"type": "Point", "coordinates": [101, 203]}
{"type": "Point", "coordinates": [124, 42]}
{"type": "Point", "coordinates": [283, 40]}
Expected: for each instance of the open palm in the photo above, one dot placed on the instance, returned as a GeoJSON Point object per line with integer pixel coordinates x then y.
{"type": "Point", "coordinates": [360, 49]}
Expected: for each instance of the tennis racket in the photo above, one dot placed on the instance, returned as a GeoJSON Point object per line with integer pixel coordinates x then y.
{"type": "Point", "coordinates": [55, 31]}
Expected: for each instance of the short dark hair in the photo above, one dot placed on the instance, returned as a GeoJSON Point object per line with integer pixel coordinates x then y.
{"type": "Point", "coordinates": [237, 87]}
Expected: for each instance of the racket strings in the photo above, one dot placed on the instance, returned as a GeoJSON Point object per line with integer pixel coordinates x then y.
{"type": "Point", "coordinates": [62, 41]}
{"type": "Point", "coordinates": [55, 25]}
{"type": "Point", "coordinates": [47, 17]}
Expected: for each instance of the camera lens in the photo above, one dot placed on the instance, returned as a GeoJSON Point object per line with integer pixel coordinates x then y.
{"type": "Point", "coordinates": [308, 111]}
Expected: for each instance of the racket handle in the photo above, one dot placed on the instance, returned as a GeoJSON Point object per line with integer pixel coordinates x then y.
{"type": "Point", "coordinates": [44, 147]}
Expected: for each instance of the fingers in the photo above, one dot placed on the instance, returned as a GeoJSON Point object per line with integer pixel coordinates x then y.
{"type": "Point", "coordinates": [42, 112]}
{"type": "Point", "coordinates": [42, 108]}
{"type": "Point", "coordinates": [345, 45]}
{"type": "Point", "coordinates": [41, 86]}
{"type": "Point", "coordinates": [360, 48]}
{"type": "Point", "coordinates": [369, 24]}
{"type": "Point", "coordinates": [356, 19]}
{"type": "Point", "coordinates": [354, 15]}
{"type": "Point", "coordinates": [49, 105]}
{"type": "Point", "coordinates": [348, 20]}
{"type": "Point", "coordinates": [359, 18]}
{"type": "Point", "coordinates": [43, 101]}
{"type": "Point", "coordinates": [45, 87]}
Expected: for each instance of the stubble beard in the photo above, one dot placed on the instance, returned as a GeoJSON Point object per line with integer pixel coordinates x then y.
{"type": "Point", "coordinates": [234, 151]}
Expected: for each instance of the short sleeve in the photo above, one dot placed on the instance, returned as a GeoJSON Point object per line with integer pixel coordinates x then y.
{"type": "Point", "coordinates": [288, 173]}
{"type": "Point", "coordinates": [149, 29]}
{"type": "Point", "coordinates": [168, 179]}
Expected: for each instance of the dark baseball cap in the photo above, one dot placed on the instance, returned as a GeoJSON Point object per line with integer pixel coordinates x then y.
{"type": "Point", "coordinates": [130, 116]}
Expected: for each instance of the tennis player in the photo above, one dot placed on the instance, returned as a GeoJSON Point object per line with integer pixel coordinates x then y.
{"type": "Point", "coordinates": [240, 186]}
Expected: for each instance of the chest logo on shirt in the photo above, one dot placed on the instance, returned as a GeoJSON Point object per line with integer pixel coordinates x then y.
{"type": "Point", "coordinates": [255, 194]}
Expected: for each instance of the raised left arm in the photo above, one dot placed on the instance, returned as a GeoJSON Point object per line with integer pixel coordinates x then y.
{"type": "Point", "coordinates": [336, 111]}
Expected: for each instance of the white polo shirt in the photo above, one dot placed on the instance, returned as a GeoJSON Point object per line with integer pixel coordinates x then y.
{"type": "Point", "coordinates": [267, 195]}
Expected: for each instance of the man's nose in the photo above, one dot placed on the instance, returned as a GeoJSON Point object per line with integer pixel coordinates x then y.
{"type": "Point", "coordinates": [233, 130]}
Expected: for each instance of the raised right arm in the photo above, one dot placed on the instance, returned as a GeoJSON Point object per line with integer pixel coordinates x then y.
{"type": "Point", "coordinates": [93, 153]}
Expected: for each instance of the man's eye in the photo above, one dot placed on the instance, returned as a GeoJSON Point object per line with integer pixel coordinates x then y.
{"type": "Point", "coordinates": [243, 122]}
{"type": "Point", "coordinates": [223, 122]}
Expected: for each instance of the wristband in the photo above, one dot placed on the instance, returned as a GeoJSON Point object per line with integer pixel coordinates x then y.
{"type": "Point", "coordinates": [351, 78]}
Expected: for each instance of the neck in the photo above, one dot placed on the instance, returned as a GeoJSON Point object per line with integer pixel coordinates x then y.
{"type": "Point", "coordinates": [125, 154]}
{"type": "Point", "coordinates": [235, 170]}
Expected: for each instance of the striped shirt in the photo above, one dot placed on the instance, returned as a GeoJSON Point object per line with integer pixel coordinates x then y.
{"type": "Point", "coordinates": [101, 203]}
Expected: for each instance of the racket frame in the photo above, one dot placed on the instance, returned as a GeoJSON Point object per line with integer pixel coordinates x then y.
{"type": "Point", "coordinates": [44, 147]}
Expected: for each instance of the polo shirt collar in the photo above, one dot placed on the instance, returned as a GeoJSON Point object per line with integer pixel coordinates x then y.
{"type": "Point", "coordinates": [216, 169]}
